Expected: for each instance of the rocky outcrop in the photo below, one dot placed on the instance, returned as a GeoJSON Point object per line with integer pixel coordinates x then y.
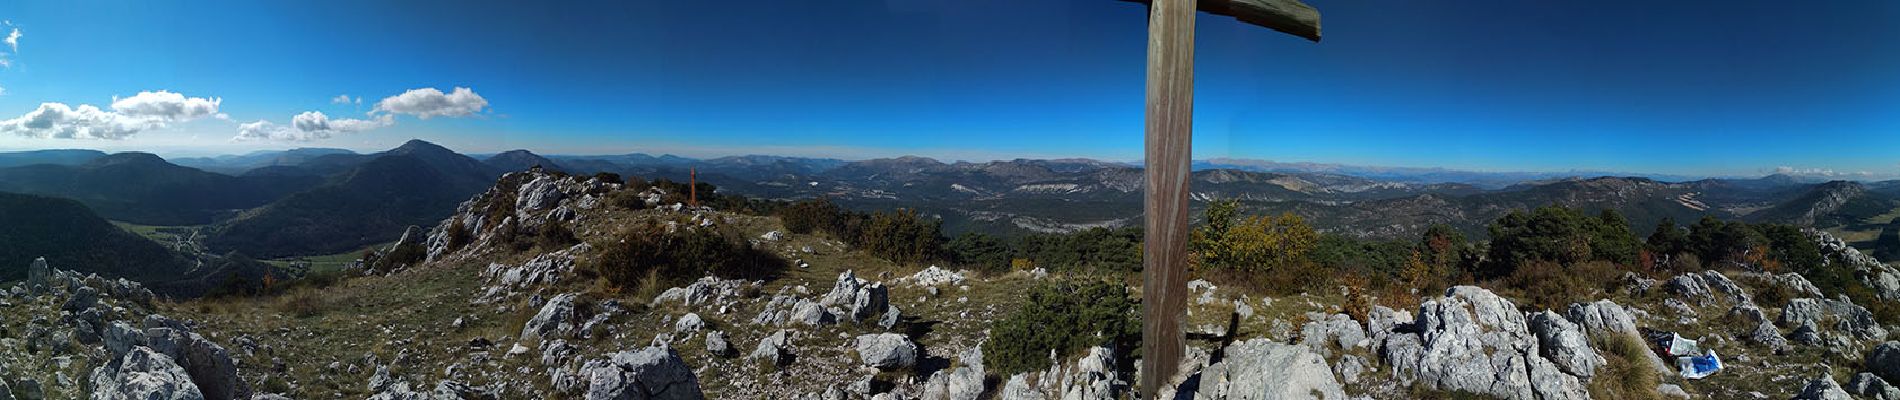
{"type": "Point", "coordinates": [1261, 369]}
{"type": "Point", "coordinates": [1602, 317]}
{"type": "Point", "coordinates": [1823, 388]}
{"type": "Point", "coordinates": [965, 382]}
{"type": "Point", "coordinates": [39, 276]}
{"type": "Point", "coordinates": [1090, 377]}
{"type": "Point", "coordinates": [1564, 343]}
{"type": "Point", "coordinates": [706, 291]}
{"type": "Point", "coordinates": [534, 196]}
{"type": "Point", "coordinates": [886, 351]}
{"type": "Point", "coordinates": [1704, 288]}
{"type": "Point", "coordinates": [1871, 386]}
{"type": "Point", "coordinates": [1823, 317]}
{"type": "Point", "coordinates": [861, 298]}
{"type": "Point", "coordinates": [541, 271]}
{"type": "Point", "coordinates": [1326, 332]}
{"type": "Point", "coordinates": [649, 373]}
{"type": "Point", "coordinates": [1882, 278]}
{"type": "Point", "coordinates": [1472, 340]}
{"type": "Point", "coordinates": [144, 375]}
{"type": "Point", "coordinates": [1885, 361]}
{"type": "Point", "coordinates": [933, 276]}
{"type": "Point", "coordinates": [557, 319]}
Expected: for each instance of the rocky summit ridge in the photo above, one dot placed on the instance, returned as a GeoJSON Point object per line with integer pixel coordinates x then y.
{"type": "Point", "coordinates": [475, 316]}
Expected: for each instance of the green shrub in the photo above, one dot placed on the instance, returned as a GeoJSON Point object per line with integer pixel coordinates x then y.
{"type": "Point", "coordinates": [984, 252]}
{"type": "Point", "coordinates": [1553, 286]}
{"type": "Point", "coordinates": [649, 257]}
{"type": "Point", "coordinates": [1065, 317]}
{"type": "Point", "coordinates": [1097, 251]}
{"type": "Point", "coordinates": [554, 235]}
{"type": "Point", "coordinates": [404, 255]}
{"type": "Point", "coordinates": [903, 237]}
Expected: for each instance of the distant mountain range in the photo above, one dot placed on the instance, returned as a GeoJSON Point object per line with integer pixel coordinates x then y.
{"type": "Point", "coordinates": [143, 188]}
{"type": "Point", "coordinates": [371, 202]}
{"type": "Point", "coordinates": [319, 201]}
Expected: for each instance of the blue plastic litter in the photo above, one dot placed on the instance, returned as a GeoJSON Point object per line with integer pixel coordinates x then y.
{"type": "Point", "coordinates": [1697, 367]}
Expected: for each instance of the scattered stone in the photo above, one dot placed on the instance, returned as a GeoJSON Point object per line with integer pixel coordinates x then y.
{"type": "Point", "coordinates": [775, 349]}
{"type": "Point", "coordinates": [965, 382]}
{"type": "Point", "coordinates": [934, 276]}
{"type": "Point", "coordinates": [1672, 391]}
{"type": "Point", "coordinates": [688, 324]}
{"type": "Point", "coordinates": [649, 373]}
{"type": "Point", "coordinates": [1868, 385]}
{"type": "Point", "coordinates": [886, 351]}
{"type": "Point", "coordinates": [1823, 388]}
{"type": "Point", "coordinates": [1885, 361]}
{"type": "Point", "coordinates": [555, 320]}
{"type": "Point", "coordinates": [716, 344]}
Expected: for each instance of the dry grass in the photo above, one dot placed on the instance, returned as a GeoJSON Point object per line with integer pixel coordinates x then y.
{"type": "Point", "coordinates": [1624, 376]}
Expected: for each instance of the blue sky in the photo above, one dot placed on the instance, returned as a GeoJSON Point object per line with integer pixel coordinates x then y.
{"type": "Point", "coordinates": [1683, 87]}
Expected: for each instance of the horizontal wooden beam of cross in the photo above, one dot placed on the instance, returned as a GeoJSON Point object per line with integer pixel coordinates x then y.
{"type": "Point", "coordinates": [1169, 132]}
{"type": "Point", "coordinates": [1291, 17]}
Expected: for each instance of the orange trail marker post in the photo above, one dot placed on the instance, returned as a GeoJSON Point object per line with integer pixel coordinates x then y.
{"type": "Point", "coordinates": [1169, 131]}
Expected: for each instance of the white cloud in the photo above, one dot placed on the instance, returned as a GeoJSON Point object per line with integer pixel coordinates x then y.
{"type": "Point", "coordinates": [315, 121]}
{"type": "Point", "coordinates": [265, 130]}
{"type": "Point", "coordinates": [166, 105]}
{"type": "Point", "coordinates": [13, 45]}
{"type": "Point", "coordinates": [427, 103]}
{"type": "Point", "coordinates": [130, 115]}
{"type": "Point", "coordinates": [309, 125]}
{"type": "Point", "coordinates": [345, 99]}
{"type": "Point", "coordinates": [59, 121]}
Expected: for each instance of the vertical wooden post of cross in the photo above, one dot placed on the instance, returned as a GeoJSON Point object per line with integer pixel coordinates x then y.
{"type": "Point", "coordinates": [1169, 132]}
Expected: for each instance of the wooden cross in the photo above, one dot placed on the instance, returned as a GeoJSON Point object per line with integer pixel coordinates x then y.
{"type": "Point", "coordinates": [1170, 116]}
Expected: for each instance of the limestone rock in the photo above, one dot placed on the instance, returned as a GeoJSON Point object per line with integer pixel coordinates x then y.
{"type": "Point", "coordinates": [965, 382]}
{"type": "Point", "coordinates": [1601, 317]}
{"type": "Point", "coordinates": [934, 276]}
{"type": "Point", "coordinates": [688, 323]}
{"type": "Point", "coordinates": [717, 344]}
{"type": "Point", "coordinates": [1868, 385]}
{"type": "Point", "coordinates": [1260, 369]}
{"type": "Point", "coordinates": [1885, 361]}
{"type": "Point", "coordinates": [886, 351]}
{"type": "Point", "coordinates": [776, 349]}
{"type": "Point", "coordinates": [1474, 341]}
{"type": "Point", "coordinates": [1823, 388]}
{"type": "Point", "coordinates": [38, 276]}
{"type": "Point", "coordinates": [1565, 344]}
{"type": "Point", "coordinates": [649, 373]}
{"type": "Point", "coordinates": [556, 319]}
{"type": "Point", "coordinates": [144, 375]}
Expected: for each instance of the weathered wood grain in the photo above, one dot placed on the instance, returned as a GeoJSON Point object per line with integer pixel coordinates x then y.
{"type": "Point", "coordinates": [1287, 16]}
{"type": "Point", "coordinates": [1170, 117]}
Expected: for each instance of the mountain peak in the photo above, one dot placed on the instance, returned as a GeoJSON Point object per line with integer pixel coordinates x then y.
{"type": "Point", "coordinates": [415, 146]}
{"type": "Point", "coordinates": [128, 158]}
